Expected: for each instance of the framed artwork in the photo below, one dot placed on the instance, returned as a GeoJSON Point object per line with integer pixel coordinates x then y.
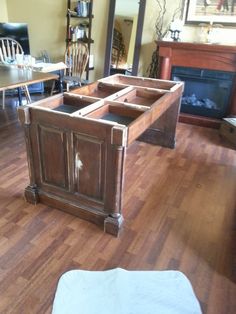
{"type": "Point", "coordinates": [211, 11]}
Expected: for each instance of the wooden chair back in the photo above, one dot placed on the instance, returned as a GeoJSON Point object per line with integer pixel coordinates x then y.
{"type": "Point", "coordinates": [8, 49]}
{"type": "Point", "coordinates": [76, 59]}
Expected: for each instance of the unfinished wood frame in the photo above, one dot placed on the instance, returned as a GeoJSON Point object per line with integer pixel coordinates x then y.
{"type": "Point", "coordinates": [76, 155]}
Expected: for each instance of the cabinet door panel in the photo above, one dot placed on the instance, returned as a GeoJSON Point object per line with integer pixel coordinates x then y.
{"type": "Point", "coordinates": [53, 158]}
{"type": "Point", "coordinates": [89, 166]}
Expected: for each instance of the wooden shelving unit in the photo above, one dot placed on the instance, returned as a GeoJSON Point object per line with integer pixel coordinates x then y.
{"type": "Point", "coordinates": [118, 48]}
{"type": "Point", "coordinates": [84, 22]}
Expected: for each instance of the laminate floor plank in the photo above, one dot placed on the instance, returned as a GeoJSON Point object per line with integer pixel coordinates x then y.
{"type": "Point", "coordinates": [179, 210]}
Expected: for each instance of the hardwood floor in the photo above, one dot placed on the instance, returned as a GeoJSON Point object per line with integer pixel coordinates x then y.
{"type": "Point", "coordinates": [180, 213]}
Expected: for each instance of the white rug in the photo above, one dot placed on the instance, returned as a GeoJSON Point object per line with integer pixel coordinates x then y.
{"type": "Point", "coordinates": [119, 291]}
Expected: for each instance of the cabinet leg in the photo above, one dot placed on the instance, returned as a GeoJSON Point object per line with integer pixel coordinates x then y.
{"type": "Point", "coordinates": [31, 194]}
{"type": "Point", "coordinates": [114, 189]}
{"type": "Point", "coordinates": [113, 223]}
{"type": "Point", "coordinates": [162, 132]}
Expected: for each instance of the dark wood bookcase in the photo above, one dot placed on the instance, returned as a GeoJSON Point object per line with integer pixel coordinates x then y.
{"type": "Point", "coordinates": [76, 20]}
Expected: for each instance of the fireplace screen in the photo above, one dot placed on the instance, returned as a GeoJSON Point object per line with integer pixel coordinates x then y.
{"type": "Point", "coordinates": [207, 92]}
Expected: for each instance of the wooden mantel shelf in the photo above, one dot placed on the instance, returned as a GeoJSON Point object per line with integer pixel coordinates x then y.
{"type": "Point", "coordinates": [198, 55]}
{"type": "Point", "coordinates": [198, 46]}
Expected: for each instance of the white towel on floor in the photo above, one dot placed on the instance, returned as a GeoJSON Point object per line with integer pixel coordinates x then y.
{"type": "Point", "coordinates": [119, 291]}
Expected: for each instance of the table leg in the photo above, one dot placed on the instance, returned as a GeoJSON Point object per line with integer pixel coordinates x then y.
{"type": "Point", "coordinates": [27, 94]}
{"type": "Point", "coordinates": [61, 81]}
{"type": "Point", "coordinates": [58, 82]}
{"type": "Point", "coordinates": [162, 131]}
{"type": "Point", "coordinates": [3, 99]}
{"type": "Point", "coordinates": [52, 89]}
{"type": "Point", "coordinates": [19, 95]}
{"type": "Point", "coordinates": [114, 189]}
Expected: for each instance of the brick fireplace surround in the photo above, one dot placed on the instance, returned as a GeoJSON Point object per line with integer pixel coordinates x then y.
{"type": "Point", "coordinates": [203, 56]}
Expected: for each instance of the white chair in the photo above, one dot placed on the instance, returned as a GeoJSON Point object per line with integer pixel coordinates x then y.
{"type": "Point", "coordinates": [76, 59]}
{"type": "Point", "coordinates": [8, 50]}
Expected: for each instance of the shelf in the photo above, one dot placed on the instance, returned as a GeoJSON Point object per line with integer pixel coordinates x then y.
{"type": "Point", "coordinates": [82, 24]}
{"type": "Point", "coordinates": [79, 17]}
{"type": "Point", "coordinates": [91, 41]}
{"type": "Point", "coordinates": [75, 29]}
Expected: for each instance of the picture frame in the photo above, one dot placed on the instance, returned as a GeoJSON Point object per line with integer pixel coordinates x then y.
{"type": "Point", "coordinates": [211, 11]}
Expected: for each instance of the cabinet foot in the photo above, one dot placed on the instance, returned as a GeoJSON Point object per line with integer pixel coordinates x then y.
{"type": "Point", "coordinates": [31, 194]}
{"type": "Point", "coordinates": [112, 225]}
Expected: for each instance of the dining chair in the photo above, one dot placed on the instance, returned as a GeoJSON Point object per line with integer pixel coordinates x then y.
{"type": "Point", "coordinates": [9, 48]}
{"type": "Point", "coordinates": [76, 59]}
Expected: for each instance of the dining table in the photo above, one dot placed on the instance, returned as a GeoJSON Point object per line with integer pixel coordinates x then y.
{"type": "Point", "coordinates": [14, 77]}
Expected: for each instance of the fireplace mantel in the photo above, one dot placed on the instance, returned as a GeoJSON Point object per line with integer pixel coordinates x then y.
{"type": "Point", "coordinates": [198, 55]}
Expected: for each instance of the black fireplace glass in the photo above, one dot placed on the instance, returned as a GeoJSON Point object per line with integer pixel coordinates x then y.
{"type": "Point", "coordinates": [206, 92]}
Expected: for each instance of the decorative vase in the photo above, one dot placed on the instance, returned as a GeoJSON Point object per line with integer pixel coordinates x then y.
{"type": "Point", "coordinates": [84, 9]}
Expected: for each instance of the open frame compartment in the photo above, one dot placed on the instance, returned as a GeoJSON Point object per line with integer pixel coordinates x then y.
{"type": "Point", "coordinates": [77, 142]}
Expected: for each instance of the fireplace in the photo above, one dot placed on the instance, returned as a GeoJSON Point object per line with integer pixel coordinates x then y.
{"type": "Point", "coordinates": [194, 61]}
{"type": "Point", "coordinates": [207, 93]}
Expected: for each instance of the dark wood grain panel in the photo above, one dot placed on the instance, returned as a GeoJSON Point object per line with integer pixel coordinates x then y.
{"type": "Point", "coordinates": [13, 77]}
{"type": "Point", "coordinates": [53, 156]}
{"type": "Point", "coordinates": [211, 60]}
{"type": "Point", "coordinates": [89, 157]}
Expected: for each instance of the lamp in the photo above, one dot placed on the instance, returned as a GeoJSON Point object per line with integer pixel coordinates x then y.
{"type": "Point", "coordinates": [176, 27]}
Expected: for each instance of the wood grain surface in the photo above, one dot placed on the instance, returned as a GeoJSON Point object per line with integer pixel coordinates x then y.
{"type": "Point", "coordinates": [179, 214]}
{"type": "Point", "coordinates": [12, 77]}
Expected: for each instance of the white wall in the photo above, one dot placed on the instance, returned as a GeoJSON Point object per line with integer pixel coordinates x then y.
{"type": "Point", "coordinates": [132, 41]}
{"type": "Point", "coordinates": [227, 36]}
{"type": "Point", "coordinates": [190, 33]}
{"type": "Point", "coordinates": [3, 11]}
{"type": "Point", "coordinates": [99, 31]}
{"type": "Point", "coordinates": [46, 22]}
{"type": "Point", "coordinates": [47, 28]}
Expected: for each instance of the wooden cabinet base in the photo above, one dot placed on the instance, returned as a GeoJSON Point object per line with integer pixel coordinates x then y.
{"type": "Point", "coordinates": [112, 225]}
{"type": "Point", "coordinates": [77, 142]}
{"type": "Point", "coordinates": [31, 195]}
